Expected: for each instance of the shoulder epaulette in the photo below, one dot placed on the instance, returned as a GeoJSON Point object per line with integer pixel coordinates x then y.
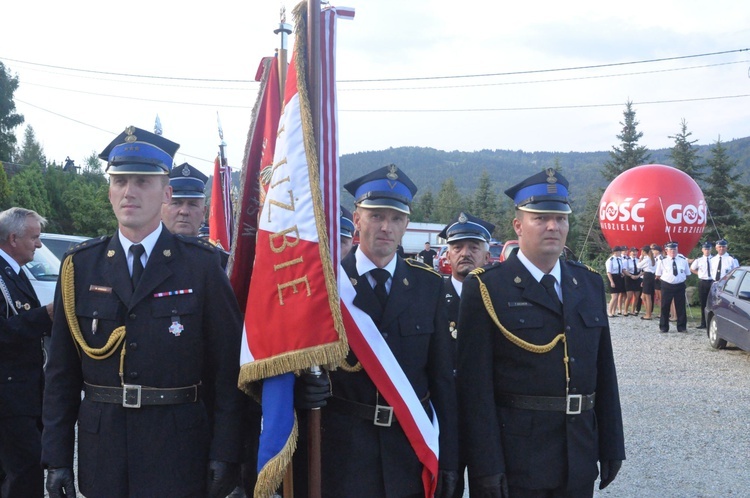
{"type": "Point", "coordinates": [477, 271]}
{"type": "Point", "coordinates": [88, 243]}
{"type": "Point", "coordinates": [681, 256]}
{"type": "Point", "coordinates": [418, 264]}
{"type": "Point", "coordinates": [197, 241]}
{"type": "Point", "coordinates": [582, 265]}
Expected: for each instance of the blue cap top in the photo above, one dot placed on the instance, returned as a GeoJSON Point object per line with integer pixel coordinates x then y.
{"type": "Point", "coordinates": [544, 192]}
{"type": "Point", "coordinates": [346, 225]}
{"type": "Point", "coordinates": [721, 242]}
{"type": "Point", "coordinates": [707, 245]}
{"type": "Point", "coordinates": [466, 226]}
{"type": "Point", "coordinates": [187, 181]}
{"type": "Point", "coordinates": [670, 245]}
{"type": "Point", "coordinates": [139, 152]}
{"type": "Point", "coordinates": [386, 187]}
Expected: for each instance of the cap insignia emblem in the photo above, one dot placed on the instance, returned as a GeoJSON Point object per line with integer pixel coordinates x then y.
{"type": "Point", "coordinates": [392, 172]}
{"type": "Point", "coordinates": [551, 176]}
{"type": "Point", "coordinates": [130, 138]}
{"type": "Point", "coordinates": [462, 218]}
{"type": "Point", "coordinates": [110, 253]}
{"type": "Point", "coordinates": [186, 171]}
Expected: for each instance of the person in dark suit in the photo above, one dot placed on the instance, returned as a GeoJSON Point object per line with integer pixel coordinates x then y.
{"type": "Point", "coordinates": [365, 452]}
{"type": "Point", "coordinates": [144, 321]}
{"type": "Point", "coordinates": [186, 211]}
{"type": "Point", "coordinates": [468, 239]}
{"type": "Point", "coordinates": [538, 398]}
{"type": "Point", "coordinates": [23, 323]}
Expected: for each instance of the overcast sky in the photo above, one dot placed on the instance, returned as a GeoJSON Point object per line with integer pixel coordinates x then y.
{"type": "Point", "coordinates": [76, 107]}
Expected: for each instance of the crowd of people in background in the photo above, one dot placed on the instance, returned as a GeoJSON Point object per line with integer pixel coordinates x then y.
{"type": "Point", "coordinates": [640, 279]}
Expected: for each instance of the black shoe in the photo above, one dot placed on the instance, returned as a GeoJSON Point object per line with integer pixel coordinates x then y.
{"type": "Point", "coordinates": [683, 330]}
{"type": "Point", "coordinates": [701, 327]}
{"type": "Point", "coordinates": [663, 331]}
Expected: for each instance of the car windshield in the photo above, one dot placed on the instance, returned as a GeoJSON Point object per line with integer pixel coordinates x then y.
{"type": "Point", "coordinates": [45, 265]}
{"type": "Point", "coordinates": [495, 251]}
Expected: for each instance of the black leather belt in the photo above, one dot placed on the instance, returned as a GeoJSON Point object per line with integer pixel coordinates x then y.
{"type": "Point", "coordinates": [573, 404]}
{"type": "Point", "coordinates": [381, 415]}
{"type": "Point", "coordinates": [135, 396]}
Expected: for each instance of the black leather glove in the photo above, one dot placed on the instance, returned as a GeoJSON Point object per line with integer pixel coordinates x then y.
{"type": "Point", "coordinates": [494, 486]}
{"type": "Point", "coordinates": [60, 483]}
{"type": "Point", "coordinates": [446, 485]}
{"type": "Point", "coordinates": [222, 478]}
{"type": "Point", "coordinates": [311, 390]}
{"type": "Point", "coordinates": [608, 471]}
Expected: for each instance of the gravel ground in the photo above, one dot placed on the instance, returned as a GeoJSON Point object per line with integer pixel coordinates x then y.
{"type": "Point", "coordinates": [686, 411]}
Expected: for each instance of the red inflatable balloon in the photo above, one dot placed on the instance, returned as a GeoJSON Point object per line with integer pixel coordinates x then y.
{"type": "Point", "coordinates": [653, 204]}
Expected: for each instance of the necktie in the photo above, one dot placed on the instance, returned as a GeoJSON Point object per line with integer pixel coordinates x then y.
{"type": "Point", "coordinates": [137, 251]}
{"type": "Point", "coordinates": [381, 276]}
{"type": "Point", "coordinates": [619, 268]}
{"type": "Point", "coordinates": [548, 281]}
{"type": "Point", "coordinates": [718, 270]}
{"type": "Point", "coordinates": [708, 266]}
{"type": "Point", "coordinates": [635, 270]}
{"type": "Point", "coordinates": [674, 267]}
{"type": "Point", "coordinates": [25, 279]}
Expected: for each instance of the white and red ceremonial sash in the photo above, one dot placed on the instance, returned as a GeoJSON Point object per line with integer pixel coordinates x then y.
{"type": "Point", "coordinates": [384, 370]}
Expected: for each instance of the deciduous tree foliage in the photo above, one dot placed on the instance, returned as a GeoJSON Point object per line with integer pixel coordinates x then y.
{"type": "Point", "coordinates": [9, 118]}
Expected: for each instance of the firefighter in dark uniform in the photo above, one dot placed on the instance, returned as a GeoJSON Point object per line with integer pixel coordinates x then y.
{"type": "Point", "coordinates": [143, 320]}
{"type": "Point", "coordinates": [538, 397]}
{"type": "Point", "coordinates": [23, 323]}
{"type": "Point", "coordinates": [468, 240]}
{"type": "Point", "coordinates": [186, 211]}
{"type": "Point", "coordinates": [364, 455]}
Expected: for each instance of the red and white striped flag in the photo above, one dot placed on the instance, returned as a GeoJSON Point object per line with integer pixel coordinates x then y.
{"type": "Point", "coordinates": [293, 315]}
{"type": "Point", "coordinates": [220, 213]}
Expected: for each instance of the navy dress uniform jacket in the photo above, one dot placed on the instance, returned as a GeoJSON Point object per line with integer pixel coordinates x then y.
{"type": "Point", "coordinates": [153, 450]}
{"type": "Point", "coordinates": [21, 356]}
{"type": "Point", "coordinates": [452, 304]}
{"type": "Point", "coordinates": [537, 449]}
{"type": "Point", "coordinates": [364, 460]}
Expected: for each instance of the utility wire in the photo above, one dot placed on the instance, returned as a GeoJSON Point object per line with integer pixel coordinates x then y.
{"type": "Point", "coordinates": [544, 108]}
{"type": "Point", "coordinates": [96, 127]}
{"type": "Point", "coordinates": [555, 80]}
{"type": "Point", "coordinates": [482, 75]}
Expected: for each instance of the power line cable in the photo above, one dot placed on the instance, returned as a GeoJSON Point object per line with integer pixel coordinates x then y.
{"type": "Point", "coordinates": [555, 80]}
{"type": "Point", "coordinates": [481, 75]}
{"type": "Point", "coordinates": [210, 161]}
{"type": "Point", "coordinates": [544, 108]}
